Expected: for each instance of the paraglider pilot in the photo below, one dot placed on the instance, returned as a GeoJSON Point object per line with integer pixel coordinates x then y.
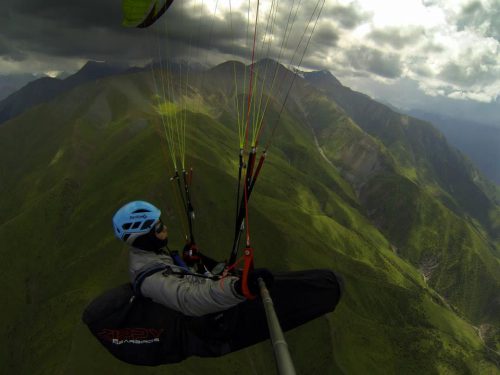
{"type": "Point", "coordinates": [186, 313]}
{"type": "Point", "coordinates": [138, 224]}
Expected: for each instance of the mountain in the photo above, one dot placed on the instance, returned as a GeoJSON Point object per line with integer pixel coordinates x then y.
{"type": "Point", "coordinates": [348, 184]}
{"type": "Point", "coordinates": [44, 89]}
{"type": "Point", "coordinates": [417, 183]}
{"type": "Point", "coordinates": [481, 143]}
{"type": "Point", "coordinates": [423, 153]}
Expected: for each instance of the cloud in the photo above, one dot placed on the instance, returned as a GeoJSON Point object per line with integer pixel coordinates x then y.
{"type": "Point", "coordinates": [57, 28]}
{"type": "Point", "coordinates": [8, 53]}
{"type": "Point", "coordinates": [483, 16]}
{"type": "Point", "coordinates": [479, 97]}
{"type": "Point", "coordinates": [469, 74]}
{"type": "Point", "coordinates": [450, 48]}
{"type": "Point", "coordinates": [91, 29]}
{"type": "Point", "coordinates": [386, 65]}
{"type": "Point", "coordinates": [348, 17]}
{"type": "Point", "coordinates": [469, 64]}
{"type": "Point", "coordinates": [409, 94]}
{"type": "Point", "coordinates": [397, 38]}
{"type": "Point", "coordinates": [74, 14]}
{"type": "Point", "coordinates": [326, 35]}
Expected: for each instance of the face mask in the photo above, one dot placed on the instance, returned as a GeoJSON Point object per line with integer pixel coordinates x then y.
{"type": "Point", "coordinates": [149, 242]}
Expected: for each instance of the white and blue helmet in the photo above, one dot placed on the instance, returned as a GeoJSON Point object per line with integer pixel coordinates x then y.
{"type": "Point", "coordinates": [135, 219]}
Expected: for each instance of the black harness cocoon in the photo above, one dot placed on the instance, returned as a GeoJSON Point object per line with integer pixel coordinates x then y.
{"type": "Point", "coordinates": [141, 332]}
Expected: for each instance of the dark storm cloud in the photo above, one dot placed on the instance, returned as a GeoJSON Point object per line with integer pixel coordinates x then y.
{"type": "Point", "coordinates": [91, 29]}
{"type": "Point", "coordinates": [386, 65]}
{"type": "Point", "coordinates": [8, 52]}
{"type": "Point", "coordinates": [86, 29]}
{"type": "Point", "coordinates": [74, 13]}
{"type": "Point", "coordinates": [326, 35]}
{"type": "Point", "coordinates": [186, 28]}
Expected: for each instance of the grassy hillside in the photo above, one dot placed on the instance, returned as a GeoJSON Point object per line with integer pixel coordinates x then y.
{"type": "Point", "coordinates": [67, 165]}
{"type": "Point", "coordinates": [426, 198]}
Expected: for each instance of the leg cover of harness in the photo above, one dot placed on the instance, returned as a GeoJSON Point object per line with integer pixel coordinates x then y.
{"type": "Point", "coordinates": [141, 332]}
{"type": "Point", "coordinates": [298, 297]}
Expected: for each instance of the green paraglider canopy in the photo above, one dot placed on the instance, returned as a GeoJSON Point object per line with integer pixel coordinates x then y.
{"type": "Point", "coordinates": [143, 13]}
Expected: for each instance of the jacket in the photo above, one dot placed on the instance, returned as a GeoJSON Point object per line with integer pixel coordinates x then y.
{"type": "Point", "coordinates": [190, 295]}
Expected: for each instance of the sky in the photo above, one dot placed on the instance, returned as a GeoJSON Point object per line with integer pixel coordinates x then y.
{"type": "Point", "coordinates": [435, 54]}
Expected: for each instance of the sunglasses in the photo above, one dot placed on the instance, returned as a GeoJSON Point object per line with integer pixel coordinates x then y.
{"type": "Point", "coordinates": [159, 226]}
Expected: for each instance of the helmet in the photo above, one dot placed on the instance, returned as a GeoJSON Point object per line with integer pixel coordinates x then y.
{"type": "Point", "coordinates": [135, 219]}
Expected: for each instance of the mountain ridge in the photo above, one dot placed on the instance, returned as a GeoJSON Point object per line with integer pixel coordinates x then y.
{"type": "Point", "coordinates": [46, 88]}
{"type": "Point", "coordinates": [412, 129]}
{"type": "Point", "coordinates": [478, 141]}
{"type": "Point", "coordinates": [442, 183]}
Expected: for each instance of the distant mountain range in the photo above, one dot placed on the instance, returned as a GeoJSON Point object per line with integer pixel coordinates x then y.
{"type": "Point", "coordinates": [13, 82]}
{"type": "Point", "coordinates": [349, 184]}
{"type": "Point", "coordinates": [46, 88]}
{"type": "Point", "coordinates": [481, 143]}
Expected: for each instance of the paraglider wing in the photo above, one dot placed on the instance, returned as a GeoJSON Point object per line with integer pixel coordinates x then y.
{"type": "Point", "coordinates": [143, 13]}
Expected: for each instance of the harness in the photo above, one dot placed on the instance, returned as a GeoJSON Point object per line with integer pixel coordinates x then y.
{"type": "Point", "coordinates": [151, 270]}
{"type": "Point", "coordinates": [179, 269]}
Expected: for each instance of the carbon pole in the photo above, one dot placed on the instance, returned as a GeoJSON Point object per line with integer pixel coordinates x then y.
{"type": "Point", "coordinates": [282, 356]}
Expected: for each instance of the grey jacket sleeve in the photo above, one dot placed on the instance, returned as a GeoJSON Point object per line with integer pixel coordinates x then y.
{"type": "Point", "coordinates": [191, 295]}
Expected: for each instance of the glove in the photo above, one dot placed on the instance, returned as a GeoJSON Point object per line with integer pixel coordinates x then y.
{"type": "Point", "coordinates": [253, 283]}
{"type": "Point", "coordinates": [190, 254]}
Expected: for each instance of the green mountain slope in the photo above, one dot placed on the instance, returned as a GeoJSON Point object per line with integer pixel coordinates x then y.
{"type": "Point", "coordinates": [426, 198]}
{"type": "Point", "coordinates": [65, 167]}
{"type": "Point", "coordinates": [422, 152]}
